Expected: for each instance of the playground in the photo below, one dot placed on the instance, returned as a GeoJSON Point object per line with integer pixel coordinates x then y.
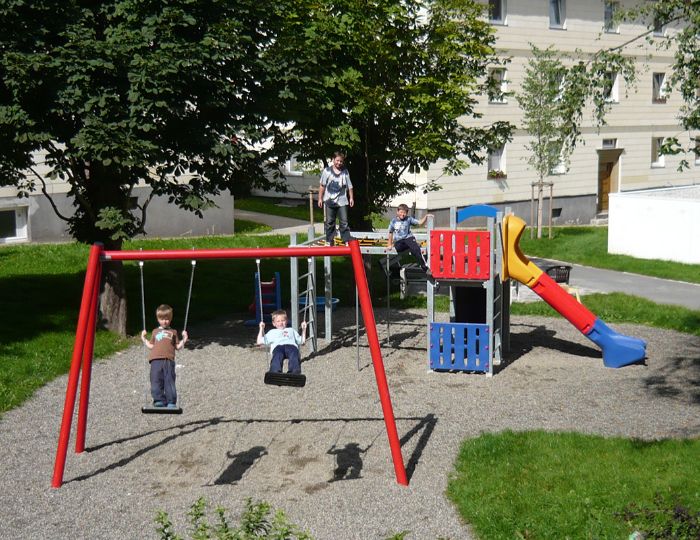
{"type": "Point", "coordinates": [320, 452]}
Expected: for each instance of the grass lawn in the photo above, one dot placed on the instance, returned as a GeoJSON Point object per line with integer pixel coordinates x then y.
{"type": "Point", "coordinates": [567, 485]}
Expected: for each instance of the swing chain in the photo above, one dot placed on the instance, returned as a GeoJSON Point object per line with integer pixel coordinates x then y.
{"type": "Point", "coordinates": [189, 295]}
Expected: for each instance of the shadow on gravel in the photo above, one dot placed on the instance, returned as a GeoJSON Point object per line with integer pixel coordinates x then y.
{"type": "Point", "coordinates": [678, 379]}
{"type": "Point", "coordinates": [425, 427]}
{"type": "Point", "coordinates": [348, 458]}
{"type": "Point", "coordinates": [240, 464]}
{"type": "Point", "coordinates": [522, 342]}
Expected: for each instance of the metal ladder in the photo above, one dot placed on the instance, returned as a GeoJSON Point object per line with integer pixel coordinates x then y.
{"type": "Point", "coordinates": [308, 312]}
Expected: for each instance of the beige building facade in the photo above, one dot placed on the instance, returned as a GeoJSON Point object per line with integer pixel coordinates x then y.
{"type": "Point", "coordinates": [620, 156]}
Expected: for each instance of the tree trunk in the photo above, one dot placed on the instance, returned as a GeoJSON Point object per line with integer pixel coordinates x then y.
{"type": "Point", "coordinates": [113, 308]}
{"type": "Point", "coordinates": [359, 217]}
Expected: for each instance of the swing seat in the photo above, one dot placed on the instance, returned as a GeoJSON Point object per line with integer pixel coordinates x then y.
{"type": "Point", "coordinates": [285, 379]}
{"type": "Point", "coordinates": [161, 410]}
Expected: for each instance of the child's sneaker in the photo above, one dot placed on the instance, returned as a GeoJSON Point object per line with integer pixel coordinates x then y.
{"type": "Point", "coordinates": [172, 406]}
{"type": "Point", "coordinates": [158, 404]}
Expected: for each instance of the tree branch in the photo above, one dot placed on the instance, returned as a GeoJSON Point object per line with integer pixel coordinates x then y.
{"type": "Point", "coordinates": [45, 191]}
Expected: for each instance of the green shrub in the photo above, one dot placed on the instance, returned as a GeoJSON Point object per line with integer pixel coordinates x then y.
{"type": "Point", "coordinates": [256, 522]}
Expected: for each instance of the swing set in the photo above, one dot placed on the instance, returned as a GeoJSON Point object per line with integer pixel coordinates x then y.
{"type": "Point", "coordinates": [83, 348]}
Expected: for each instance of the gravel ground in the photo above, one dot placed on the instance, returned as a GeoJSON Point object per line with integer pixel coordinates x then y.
{"type": "Point", "coordinates": [320, 453]}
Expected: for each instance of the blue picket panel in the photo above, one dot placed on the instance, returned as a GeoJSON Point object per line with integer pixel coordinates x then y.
{"type": "Point", "coordinates": [459, 347]}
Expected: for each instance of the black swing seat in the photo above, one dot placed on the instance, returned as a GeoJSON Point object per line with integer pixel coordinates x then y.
{"type": "Point", "coordinates": [285, 379]}
{"type": "Point", "coordinates": [161, 410]}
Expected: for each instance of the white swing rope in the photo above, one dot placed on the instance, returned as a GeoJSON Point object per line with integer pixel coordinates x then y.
{"type": "Point", "coordinates": [147, 386]}
{"type": "Point", "coordinates": [189, 295]}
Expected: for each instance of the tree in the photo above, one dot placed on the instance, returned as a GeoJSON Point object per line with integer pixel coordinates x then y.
{"type": "Point", "coordinates": [110, 94]}
{"type": "Point", "coordinates": [392, 83]}
{"type": "Point", "coordinates": [543, 118]}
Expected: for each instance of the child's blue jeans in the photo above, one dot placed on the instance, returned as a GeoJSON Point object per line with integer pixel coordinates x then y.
{"type": "Point", "coordinates": [291, 353]}
{"type": "Point", "coordinates": [163, 380]}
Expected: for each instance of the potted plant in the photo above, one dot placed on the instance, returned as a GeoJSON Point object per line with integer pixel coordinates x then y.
{"type": "Point", "coordinates": [496, 174]}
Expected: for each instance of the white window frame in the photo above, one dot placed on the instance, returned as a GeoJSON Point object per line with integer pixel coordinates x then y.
{"type": "Point", "coordinates": [609, 144]}
{"type": "Point", "coordinates": [502, 75]}
{"type": "Point", "coordinates": [614, 94]}
{"type": "Point", "coordinates": [659, 92]}
{"type": "Point", "coordinates": [21, 224]}
{"type": "Point", "coordinates": [610, 7]}
{"type": "Point", "coordinates": [291, 167]}
{"type": "Point", "coordinates": [497, 162]}
{"type": "Point", "coordinates": [502, 19]}
{"type": "Point", "coordinates": [657, 158]}
{"type": "Point", "coordinates": [557, 9]}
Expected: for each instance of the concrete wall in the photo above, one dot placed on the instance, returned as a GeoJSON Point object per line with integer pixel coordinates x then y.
{"type": "Point", "coordinates": [656, 224]}
{"type": "Point", "coordinates": [163, 219]}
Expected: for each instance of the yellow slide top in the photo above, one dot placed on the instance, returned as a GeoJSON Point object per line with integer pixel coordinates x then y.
{"type": "Point", "coordinates": [515, 264]}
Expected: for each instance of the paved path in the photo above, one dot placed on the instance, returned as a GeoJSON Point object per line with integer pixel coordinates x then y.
{"type": "Point", "coordinates": [279, 224]}
{"type": "Point", "coordinates": [661, 291]}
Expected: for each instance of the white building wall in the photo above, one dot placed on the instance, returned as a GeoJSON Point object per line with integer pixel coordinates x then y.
{"type": "Point", "coordinates": [633, 121]}
{"type": "Point", "coordinates": [656, 224]}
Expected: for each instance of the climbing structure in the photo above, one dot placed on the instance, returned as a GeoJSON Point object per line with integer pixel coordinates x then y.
{"type": "Point", "coordinates": [469, 263]}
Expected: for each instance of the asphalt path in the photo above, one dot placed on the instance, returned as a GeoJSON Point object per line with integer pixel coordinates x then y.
{"type": "Point", "coordinates": [660, 291]}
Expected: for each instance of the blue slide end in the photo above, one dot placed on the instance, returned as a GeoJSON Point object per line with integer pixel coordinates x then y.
{"type": "Point", "coordinates": [618, 350]}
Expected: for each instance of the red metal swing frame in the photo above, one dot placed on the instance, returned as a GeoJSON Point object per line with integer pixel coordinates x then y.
{"type": "Point", "coordinates": [85, 335]}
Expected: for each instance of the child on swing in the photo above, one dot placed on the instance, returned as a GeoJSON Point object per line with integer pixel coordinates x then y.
{"type": "Point", "coordinates": [162, 345]}
{"type": "Point", "coordinates": [283, 342]}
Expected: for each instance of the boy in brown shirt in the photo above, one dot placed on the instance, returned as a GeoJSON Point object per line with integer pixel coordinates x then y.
{"type": "Point", "coordinates": [162, 345]}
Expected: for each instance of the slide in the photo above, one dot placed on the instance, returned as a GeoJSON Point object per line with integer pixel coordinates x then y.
{"type": "Point", "coordinates": [618, 350]}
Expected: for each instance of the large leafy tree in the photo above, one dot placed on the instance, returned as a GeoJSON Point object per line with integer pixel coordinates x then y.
{"type": "Point", "coordinates": [109, 94]}
{"type": "Point", "coordinates": [393, 83]}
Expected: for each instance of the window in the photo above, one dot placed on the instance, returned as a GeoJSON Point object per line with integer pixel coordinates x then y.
{"type": "Point", "coordinates": [659, 28]}
{"type": "Point", "coordinates": [697, 150]}
{"type": "Point", "coordinates": [659, 88]}
{"type": "Point", "coordinates": [611, 25]}
{"type": "Point", "coordinates": [497, 11]}
{"type": "Point", "coordinates": [657, 158]}
{"type": "Point", "coordinates": [559, 168]}
{"type": "Point", "coordinates": [291, 167]}
{"type": "Point", "coordinates": [557, 13]}
{"type": "Point", "coordinates": [611, 90]}
{"type": "Point", "coordinates": [498, 86]}
{"type": "Point", "coordinates": [497, 163]}
{"type": "Point", "coordinates": [13, 224]}
{"type": "Point", "coordinates": [609, 144]}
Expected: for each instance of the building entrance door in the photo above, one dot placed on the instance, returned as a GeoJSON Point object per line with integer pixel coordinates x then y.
{"type": "Point", "coordinates": [605, 172]}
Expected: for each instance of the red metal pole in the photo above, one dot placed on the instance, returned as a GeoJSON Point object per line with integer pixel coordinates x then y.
{"type": "Point", "coordinates": [230, 253]}
{"type": "Point", "coordinates": [377, 362]}
{"type": "Point", "coordinates": [74, 373]}
{"type": "Point", "coordinates": [88, 350]}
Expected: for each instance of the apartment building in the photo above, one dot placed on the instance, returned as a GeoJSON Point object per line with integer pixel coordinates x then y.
{"type": "Point", "coordinates": [621, 156]}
